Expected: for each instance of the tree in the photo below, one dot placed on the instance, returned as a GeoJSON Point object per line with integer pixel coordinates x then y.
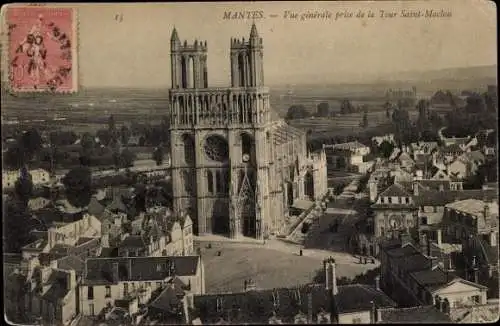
{"type": "Point", "coordinates": [111, 123]}
{"type": "Point", "coordinates": [104, 136]}
{"type": "Point", "coordinates": [24, 186]}
{"type": "Point", "coordinates": [14, 158]}
{"type": "Point", "coordinates": [16, 226]}
{"type": "Point", "coordinates": [475, 104]}
{"type": "Point", "coordinates": [125, 134]}
{"type": "Point", "coordinates": [158, 155]}
{"type": "Point", "coordinates": [297, 112]}
{"type": "Point", "coordinates": [31, 142]}
{"type": "Point", "coordinates": [364, 122]}
{"type": "Point", "coordinates": [323, 109]}
{"type": "Point", "coordinates": [127, 158]}
{"type": "Point", "coordinates": [87, 142]}
{"type": "Point", "coordinates": [346, 107]}
{"type": "Point", "coordinates": [386, 148]}
{"type": "Point", "coordinates": [78, 186]}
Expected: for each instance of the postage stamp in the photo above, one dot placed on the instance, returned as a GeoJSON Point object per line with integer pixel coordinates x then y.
{"type": "Point", "coordinates": [42, 49]}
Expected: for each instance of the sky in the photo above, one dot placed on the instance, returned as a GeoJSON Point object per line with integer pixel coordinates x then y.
{"type": "Point", "coordinates": [127, 45]}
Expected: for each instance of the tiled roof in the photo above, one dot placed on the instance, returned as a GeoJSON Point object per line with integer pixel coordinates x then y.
{"type": "Point", "coordinates": [133, 241]}
{"type": "Point", "coordinates": [395, 190]}
{"type": "Point", "coordinates": [414, 262]}
{"type": "Point", "coordinates": [83, 240]}
{"type": "Point", "coordinates": [421, 314]}
{"type": "Point", "coordinates": [395, 250]}
{"type": "Point", "coordinates": [57, 290]}
{"type": "Point", "coordinates": [359, 297]}
{"type": "Point", "coordinates": [490, 252]}
{"type": "Point", "coordinates": [71, 263]}
{"type": "Point", "coordinates": [441, 198]}
{"type": "Point", "coordinates": [393, 206]}
{"type": "Point", "coordinates": [170, 299]}
{"type": "Point", "coordinates": [451, 149]}
{"type": "Point", "coordinates": [473, 207]}
{"type": "Point", "coordinates": [100, 270]}
{"type": "Point", "coordinates": [258, 306]}
{"type": "Point", "coordinates": [95, 207]}
{"type": "Point", "coordinates": [117, 205]}
{"type": "Point", "coordinates": [432, 277]}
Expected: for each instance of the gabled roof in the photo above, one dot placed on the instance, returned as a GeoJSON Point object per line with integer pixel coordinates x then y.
{"type": "Point", "coordinates": [100, 270]}
{"type": "Point", "coordinates": [395, 190]}
{"type": "Point", "coordinates": [441, 198]}
{"type": "Point", "coordinates": [474, 207]}
{"type": "Point", "coordinates": [360, 297]}
{"type": "Point", "coordinates": [420, 314]}
{"type": "Point", "coordinates": [258, 306]}
{"type": "Point", "coordinates": [432, 277]}
{"type": "Point", "coordinates": [117, 205]}
{"type": "Point", "coordinates": [452, 149]}
{"type": "Point", "coordinates": [71, 263]}
{"type": "Point", "coordinates": [133, 241]}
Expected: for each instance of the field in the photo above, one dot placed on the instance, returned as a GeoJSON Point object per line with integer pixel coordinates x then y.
{"type": "Point", "coordinates": [89, 110]}
{"type": "Point", "coordinates": [269, 268]}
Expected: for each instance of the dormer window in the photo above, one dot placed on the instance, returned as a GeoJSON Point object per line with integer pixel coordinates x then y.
{"type": "Point", "coordinates": [219, 305]}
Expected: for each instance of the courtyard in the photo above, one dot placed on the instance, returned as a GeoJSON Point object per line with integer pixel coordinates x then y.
{"type": "Point", "coordinates": [271, 265]}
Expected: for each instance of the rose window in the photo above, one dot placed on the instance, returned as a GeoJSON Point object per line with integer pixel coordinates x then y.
{"type": "Point", "coordinates": [216, 148]}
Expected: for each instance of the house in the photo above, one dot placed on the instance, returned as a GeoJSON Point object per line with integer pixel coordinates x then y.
{"type": "Point", "coordinates": [470, 217]}
{"type": "Point", "coordinates": [54, 295]}
{"type": "Point", "coordinates": [405, 161]}
{"type": "Point", "coordinates": [380, 139]}
{"type": "Point", "coordinates": [422, 314]}
{"type": "Point", "coordinates": [451, 152]}
{"type": "Point", "coordinates": [349, 156]}
{"type": "Point", "coordinates": [412, 278]}
{"type": "Point", "coordinates": [311, 303]}
{"type": "Point", "coordinates": [37, 203]}
{"type": "Point", "coordinates": [480, 253]}
{"type": "Point", "coordinates": [423, 148]}
{"type": "Point", "coordinates": [39, 177]}
{"type": "Point", "coordinates": [395, 212]}
{"type": "Point", "coordinates": [80, 237]}
{"type": "Point", "coordinates": [130, 281]}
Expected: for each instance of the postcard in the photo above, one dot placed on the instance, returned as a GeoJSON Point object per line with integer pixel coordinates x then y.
{"type": "Point", "coordinates": [302, 162]}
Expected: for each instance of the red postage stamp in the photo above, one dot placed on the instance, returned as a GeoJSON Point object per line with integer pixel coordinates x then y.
{"type": "Point", "coordinates": [42, 49]}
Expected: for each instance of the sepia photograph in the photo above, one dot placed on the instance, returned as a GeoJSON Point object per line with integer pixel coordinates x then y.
{"type": "Point", "coordinates": [287, 162]}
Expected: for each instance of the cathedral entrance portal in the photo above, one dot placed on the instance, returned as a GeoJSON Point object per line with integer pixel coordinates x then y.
{"type": "Point", "coordinates": [220, 218]}
{"type": "Point", "coordinates": [246, 203]}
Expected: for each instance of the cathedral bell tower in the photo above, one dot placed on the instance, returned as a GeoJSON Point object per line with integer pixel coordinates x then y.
{"type": "Point", "coordinates": [220, 139]}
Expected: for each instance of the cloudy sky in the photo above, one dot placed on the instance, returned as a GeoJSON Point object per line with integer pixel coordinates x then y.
{"type": "Point", "coordinates": [128, 45]}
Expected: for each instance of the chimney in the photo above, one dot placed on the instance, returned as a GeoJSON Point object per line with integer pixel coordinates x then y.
{"type": "Point", "coordinates": [439, 237]}
{"type": "Point", "coordinates": [493, 238]}
{"type": "Point", "coordinates": [415, 188]}
{"type": "Point", "coordinates": [377, 283]}
{"type": "Point", "coordinates": [309, 308]}
{"type": "Point", "coordinates": [71, 279]}
{"type": "Point", "coordinates": [250, 285]}
{"type": "Point", "coordinates": [373, 313]}
{"type": "Point", "coordinates": [116, 275]}
{"type": "Point", "coordinates": [330, 273]}
{"type": "Point", "coordinates": [486, 211]}
{"type": "Point", "coordinates": [476, 275]}
{"type": "Point", "coordinates": [105, 240]}
{"type": "Point", "coordinates": [51, 236]}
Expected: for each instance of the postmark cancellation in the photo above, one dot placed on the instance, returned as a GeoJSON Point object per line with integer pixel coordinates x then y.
{"type": "Point", "coordinates": [42, 43]}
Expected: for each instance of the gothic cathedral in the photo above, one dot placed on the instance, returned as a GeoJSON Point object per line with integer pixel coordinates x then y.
{"type": "Point", "coordinates": [236, 167]}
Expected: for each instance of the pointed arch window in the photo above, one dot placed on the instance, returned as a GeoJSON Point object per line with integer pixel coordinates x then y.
{"type": "Point", "coordinates": [210, 182]}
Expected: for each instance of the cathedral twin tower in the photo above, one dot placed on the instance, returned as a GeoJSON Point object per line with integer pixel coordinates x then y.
{"type": "Point", "coordinates": [224, 143]}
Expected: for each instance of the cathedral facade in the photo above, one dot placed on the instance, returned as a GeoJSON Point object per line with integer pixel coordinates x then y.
{"type": "Point", "coordinates": [236, 167]}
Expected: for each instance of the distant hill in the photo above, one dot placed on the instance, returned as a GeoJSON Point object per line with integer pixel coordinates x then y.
{"type": "Point", "coordinates": [462, 73]}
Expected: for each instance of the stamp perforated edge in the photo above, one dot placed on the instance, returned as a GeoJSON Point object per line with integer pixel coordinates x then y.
{"type": "Point", "coordinates": [75, 71]}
